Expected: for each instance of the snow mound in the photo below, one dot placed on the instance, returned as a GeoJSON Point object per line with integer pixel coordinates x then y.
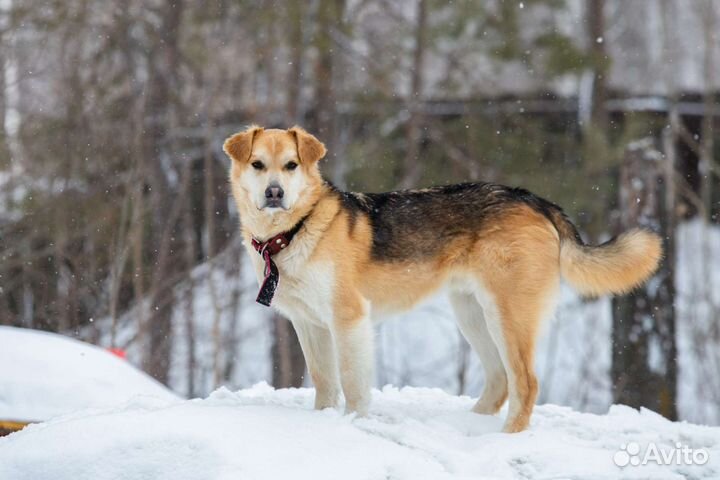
{"type": "Point", "coordinates": [43, 375]}
{"type": "Point", "coordinates": [412, 433]}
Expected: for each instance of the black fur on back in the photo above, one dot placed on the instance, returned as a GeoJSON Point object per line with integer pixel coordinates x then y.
{"type": "Point", "coordinates": [416, 224]}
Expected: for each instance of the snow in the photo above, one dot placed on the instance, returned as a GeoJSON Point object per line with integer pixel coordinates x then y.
{"type": "Point", "coordinates": [412, 433]}
{"type": "Point", "coordinates": [44, 375]}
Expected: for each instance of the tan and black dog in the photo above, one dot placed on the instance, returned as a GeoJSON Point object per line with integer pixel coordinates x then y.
{"type": "Point", "coordinates": [332, 261]}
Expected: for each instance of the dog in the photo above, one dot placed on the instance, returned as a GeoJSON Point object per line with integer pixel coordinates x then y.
{"type": "Point", "coordinates": [333, 261]}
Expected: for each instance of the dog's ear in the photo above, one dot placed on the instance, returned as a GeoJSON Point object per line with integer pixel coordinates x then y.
{"type": "Point", "coordinates": [310, 149]}
{"type": "Point", "coordinates": [239, 146]}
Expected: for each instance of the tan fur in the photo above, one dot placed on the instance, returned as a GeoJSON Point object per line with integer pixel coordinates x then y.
{"type": "Point", "coordinates": [503, 278]}
{"type": "Point", "coordinates": [239, 146]}
{"type": "Point", "coordinates": [309, 148]}
{"type": "Point", "coordinates": [616, 268]}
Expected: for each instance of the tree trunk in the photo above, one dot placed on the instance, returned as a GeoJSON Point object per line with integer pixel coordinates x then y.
{"type": "Point", "coordinates": [295, 73]}
{"type": "Point", "coordinates": [705, 163]}
{"type": "Point", "coordinates": [596, 39]}
{"type": "Point", "coordinates": [287, 357]}
{"type": "Point", "coordinates": [233, 310]}
{"type": "Point", "coordinates": [412, 171]}
{"type": "Point", "coordinates": [644, 362]}
{"type": "Point", "coordinates": [4, 137]}
{"type": "Point", "coordinates": [330, 17]}
{"type": "Point", "coordinates": [161, 83]}
{"type": "Point", "coordinates": [188, 299]}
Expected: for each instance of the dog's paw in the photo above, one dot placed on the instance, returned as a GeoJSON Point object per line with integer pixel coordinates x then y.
{"type": "Point", "coordinates": [322, 404]}
{"type": "Point", "coordinates": [485, 409]}
{"type": "Point", "coordinates": [359, 408]}
{"type": "Point", "coordinates": [326, 399]}
{"type": "Point", "coordinates": [485, 406]}
{"type": "Point", "coordinates": [516, 425]}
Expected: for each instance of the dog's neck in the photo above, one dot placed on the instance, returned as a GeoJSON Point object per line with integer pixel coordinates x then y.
{"type": "Point", "coordinates": [262, 226]}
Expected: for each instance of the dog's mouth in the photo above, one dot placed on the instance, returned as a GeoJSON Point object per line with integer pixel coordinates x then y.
{"type": "Point", "coordinates": [273, 204]}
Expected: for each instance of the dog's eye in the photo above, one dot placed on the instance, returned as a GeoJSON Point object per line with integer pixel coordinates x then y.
{"type": "Point", "coordinates": [257, 165]}
{"type": "Point", "coordinates": [291, 166]}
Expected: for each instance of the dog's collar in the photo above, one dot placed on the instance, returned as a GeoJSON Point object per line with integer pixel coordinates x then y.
{"type": "Point", "coordinates": [266, 250]}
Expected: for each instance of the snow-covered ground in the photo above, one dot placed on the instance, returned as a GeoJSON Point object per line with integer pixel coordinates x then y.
{"type": "Point", "coordinates": [43, 375]}
{"type": "Point", "coordinates": [412, 433]}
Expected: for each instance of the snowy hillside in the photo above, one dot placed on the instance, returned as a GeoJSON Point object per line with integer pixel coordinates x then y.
{"type": "Point", "coordinates": [413, 434]}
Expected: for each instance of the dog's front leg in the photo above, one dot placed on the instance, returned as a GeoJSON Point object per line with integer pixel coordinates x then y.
{"type": "Point", "coordinates": [319, 352]}
{"type": "Point", "coordinates": [353, 332]}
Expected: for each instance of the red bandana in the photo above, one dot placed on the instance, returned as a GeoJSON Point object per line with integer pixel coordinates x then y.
{"type": "Point", "coordinates": [267, 249]}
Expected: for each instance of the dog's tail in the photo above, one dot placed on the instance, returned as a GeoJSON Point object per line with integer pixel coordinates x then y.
{"type": "Point", "coordinates": [617, 266]}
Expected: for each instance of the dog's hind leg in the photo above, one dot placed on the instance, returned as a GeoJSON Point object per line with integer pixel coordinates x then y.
{"type": "Point", "coordinates": [319, 351]}
{"type": "Point", "coordinates": [513, 323]}
{"type": "Point", "coordinates": [471, 321]}
{"type": "Point", "coordinates": [518, 268]}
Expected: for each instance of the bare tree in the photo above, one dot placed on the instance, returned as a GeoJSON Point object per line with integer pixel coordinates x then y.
{"type": "Point", "coordinates": [287, 358]}
{"type": "Point", "coordinates": [412, 166]}
{"type": "Point", "coordinates": [644, 361]}
{"type": "Point", "coordinates": [708, 168]}
{"type": "Point", "coordinates": [324, 121]}
{"type": "Point", "coordinates": [596, 39]}
{"type": "Point", "coordinates": [296, 44]}
{"type": "Point", "coordinates": [4, 150]}
{"type": "Point", "coordinates": [163, 63]}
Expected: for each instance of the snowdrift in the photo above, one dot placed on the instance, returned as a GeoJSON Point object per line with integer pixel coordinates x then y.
{"type": "Point", "coordinates": [412, 433]}
{"type": "Point", "coordinates": [43, 375]}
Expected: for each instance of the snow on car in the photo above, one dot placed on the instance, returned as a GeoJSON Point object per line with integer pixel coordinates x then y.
{"type": "Point", "coordinates": [43, 375]}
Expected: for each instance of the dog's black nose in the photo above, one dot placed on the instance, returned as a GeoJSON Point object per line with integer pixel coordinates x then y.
{"type": "Point", "coordinates": [274, 192]}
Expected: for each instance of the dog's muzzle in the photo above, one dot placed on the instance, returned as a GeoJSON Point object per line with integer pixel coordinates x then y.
{"type": "Point", "coordinates": [274, 194]}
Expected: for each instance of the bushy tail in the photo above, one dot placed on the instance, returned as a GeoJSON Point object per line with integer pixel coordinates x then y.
{"type": "Point", "coordinates": [617, 266]}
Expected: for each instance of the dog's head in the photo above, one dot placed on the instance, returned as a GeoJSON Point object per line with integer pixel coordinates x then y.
{"type": "Point", "coordinates": [273, 170]}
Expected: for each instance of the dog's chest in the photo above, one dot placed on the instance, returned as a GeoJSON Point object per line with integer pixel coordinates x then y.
{"type": "Point", "coordinates": [305, 288]}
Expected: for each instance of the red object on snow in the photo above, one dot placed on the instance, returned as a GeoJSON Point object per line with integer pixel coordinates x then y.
{"type": "Point", "coordinates": [119, 352]}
